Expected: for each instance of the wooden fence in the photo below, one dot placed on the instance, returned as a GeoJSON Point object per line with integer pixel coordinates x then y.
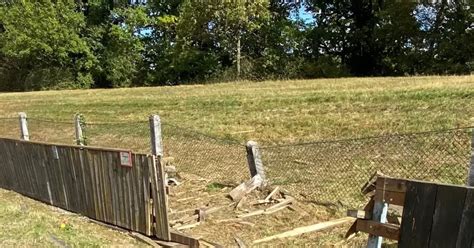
{"type": "Point", "coordinates": [434, 215]}
{"type": "Point", "coordinates": [109, 185]}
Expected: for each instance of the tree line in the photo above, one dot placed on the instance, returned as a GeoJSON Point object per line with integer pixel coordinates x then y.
{"type": "Point", "coordinates": [52, 44]}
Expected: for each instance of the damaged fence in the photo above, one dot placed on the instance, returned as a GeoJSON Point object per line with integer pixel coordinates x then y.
{"type": "Point", "coordinates": [334, 171]}
{"type": "Point", "coordinates": [324, 171]}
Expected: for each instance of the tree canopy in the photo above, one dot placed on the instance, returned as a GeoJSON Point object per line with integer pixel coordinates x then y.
{"type": "Point", "coordinates": [51, 44]}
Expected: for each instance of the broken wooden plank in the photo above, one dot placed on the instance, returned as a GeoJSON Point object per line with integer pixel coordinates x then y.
{"type": "Point", "coordinates": [188, 226]}
{"type": "Point", "coordinates": [241, 201]}
{"type": "Point", "coordinates": [285, 202]}
{"type": "Point", "coordinates": [352, 230]}
{"type": "Point", "coordinates": [369, 186]}
{"type": "Point", "coordinates": [145, 239]}
{"type": "Point", "coordinates": [274, 191]}
{"type": "Point", "coordinates": [184, 239]}
{"type": "Point", "coordinates": [375, 228]}
{"type": "Point", "coordinates": [274, 210]}
{"type": "Point", "coordinates": [253, 213]}
{"type": "Point", "coordinates": [239, 242]}
{"type": "Point", "coordinates": [359, 214]}
{"type": "Point", "coordinates": [244, 188]}
{"type": "Point", "coordinates": [305, 229]}
{"type": "Point", "coordinates": [269, 210]}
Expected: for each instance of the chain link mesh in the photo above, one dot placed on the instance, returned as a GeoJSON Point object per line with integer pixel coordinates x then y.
{"type": "Point", "coordinates": [133, 136]}
{"type": "Point", "coordinates": [335, 171]}
{"type": "Point", "coordinates": [51, 131]}
{"type": "Point", "coordinates": [10, 127]}
{"type": "Point", "coordinates": [216, 159]}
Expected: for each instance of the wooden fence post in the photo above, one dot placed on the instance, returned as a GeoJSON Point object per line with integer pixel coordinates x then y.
{"type": "Point", "coordinates": [470, 180]}
{"type": "Point", "coordinates": [158, 177]}
{"type": "Point", "coordinates": [254, 159]}
{"type": "Point", "coordinates": [24, 127]}
{"type": "Point", "coordinates": [155, 133]}
{"type": "Point", "coordinates": [78, 129]}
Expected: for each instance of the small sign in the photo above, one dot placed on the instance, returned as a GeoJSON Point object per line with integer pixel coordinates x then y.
{"type": "Point", "coordinates": [126, 159]}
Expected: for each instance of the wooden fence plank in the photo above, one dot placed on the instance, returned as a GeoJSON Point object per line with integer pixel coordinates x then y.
{"type": "Point", "coordinates": [113, 188]}
{"type": "Point", "coordinates": [160, 200]}
{"type": "Point", "coordinates": [376, 228]}
{"type": "Point", "coordinates": [466, 229]}
{"type": "Point", "coordinates": [139, 195]}
{"type": "Point", "coordinates": [418, 212]}
{"type": "Point", "coordinates": [146, 193]}
{"type": "Point", "coordinates": [447, 216]}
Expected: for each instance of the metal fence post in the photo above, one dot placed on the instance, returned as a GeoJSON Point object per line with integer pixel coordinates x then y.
{"type": "Point", "coordinates": [379, 215]}
{"type": "Point", "coordinates": [78, 129]}
{"type": "Point", "coordinates": [254, 159]}
{"type": "Point", "coordinates": [470, 180]}
{"type": "Point", "coordinates": [155, 133]}
{"type": "Point", "coordinates": [23, 126]}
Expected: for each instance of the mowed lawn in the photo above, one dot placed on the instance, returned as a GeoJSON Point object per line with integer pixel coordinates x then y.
{"type": "Point", "coordinates": [271, 111]}
{"type": "Point", "coordinates": [28, 223]}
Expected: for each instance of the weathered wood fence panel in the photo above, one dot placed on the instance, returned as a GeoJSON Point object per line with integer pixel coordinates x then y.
{"type": "Point", "coordinates": [89, 181]}
{"type": "Point", "coordinates": [437, 215]}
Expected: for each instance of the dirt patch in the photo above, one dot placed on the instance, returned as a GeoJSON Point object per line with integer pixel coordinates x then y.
{"type": "Point", "coordinates": [222, 225]}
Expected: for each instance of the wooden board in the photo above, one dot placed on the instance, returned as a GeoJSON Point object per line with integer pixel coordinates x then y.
{"type": "Point", "coordinates": [160, 199]}
{"type": "Point", "coordinates": [390, 197]}
{"type": "Point", "coordinates": [466, 230]}
{"type": "Point", "coordinates": [418, 212]}
{"type": "Point", "coordinates": [376, 228]}
{"type": "Point", "coordinates": [447, 216]}
{"type": "Point", "coordinates": [391, 184]}
{"type": "Point", "coordinates": [184, 239]}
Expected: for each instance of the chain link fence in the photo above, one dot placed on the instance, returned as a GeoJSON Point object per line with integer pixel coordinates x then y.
{"type": "Point", "coordinates": [9, 127]}
{"type": "Point", "coordinates": [51, 131]}
{"type": "Point", "coordinates": [133, 136]}
{"type": "Point", "coordinates": [321, 172]}
{"type": "Point", "coordinates": [335, 171]}
{"type": "Point", "coordinates": [211, 158]}
{"type": "Point", "coordinates": [216, 159]}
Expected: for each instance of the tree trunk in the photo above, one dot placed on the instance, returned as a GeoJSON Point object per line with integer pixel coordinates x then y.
{"type": "Point", "coordinates": [238, 56]}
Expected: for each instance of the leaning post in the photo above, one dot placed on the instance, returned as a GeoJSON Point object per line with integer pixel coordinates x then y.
{"type": "Point", "coordinates": [158, 173]}
{"type": "Point", "coordinates": [78, 129]}
{"type": "Point", "coordinates": [254, 159]}
{"type": "Point", "coordinates": [155, 132]}
{"type": "Point", "coordinates": [23, 126]}
{"type": "Point", "coordinates": [470, 180]}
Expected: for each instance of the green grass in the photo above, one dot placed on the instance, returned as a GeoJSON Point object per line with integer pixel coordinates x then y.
{"type": "Point", "coordinates": [28, 223]}
{"type": "Point", "coordinates": [272, 111]}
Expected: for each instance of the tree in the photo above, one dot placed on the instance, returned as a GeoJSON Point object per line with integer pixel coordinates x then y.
{"type": "Point", "coordinates": [41, 45]}
{"type": "Point", "coordinates": [218, 27]}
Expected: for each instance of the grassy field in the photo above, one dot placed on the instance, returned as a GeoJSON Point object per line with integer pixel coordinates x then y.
{"type": "Point", "coordinates": [272, 111]}
{"type": "Point", "coordinates": [28, 223]}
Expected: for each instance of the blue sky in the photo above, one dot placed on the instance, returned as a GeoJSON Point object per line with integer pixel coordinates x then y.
{"type": "Point", "coordinates": [303, 15]}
